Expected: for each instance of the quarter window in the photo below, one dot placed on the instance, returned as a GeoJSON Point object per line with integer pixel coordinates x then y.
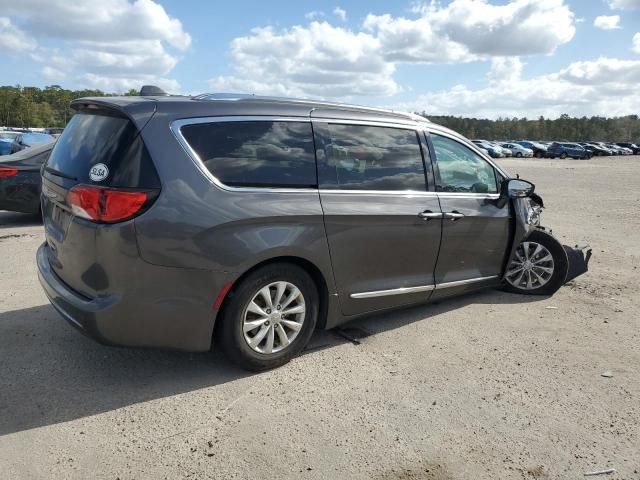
{"type": "Point", "coordinates": [360, 157]}
{"type": "Point", "coordinates": [256, 153]}
{"type": "Point", "coordinates": [461, 169]}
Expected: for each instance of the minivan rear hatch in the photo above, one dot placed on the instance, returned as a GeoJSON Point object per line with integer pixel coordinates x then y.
{"type": "Point", "coordinates": [98, 177]}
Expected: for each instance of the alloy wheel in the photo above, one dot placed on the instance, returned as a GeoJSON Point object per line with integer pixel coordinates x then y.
{"type": "Point", "coordinates": [274, 317]}
{"type": "Point", "coordinates": [531, 268]}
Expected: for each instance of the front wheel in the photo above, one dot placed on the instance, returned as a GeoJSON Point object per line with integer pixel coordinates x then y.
{"type": "Point", "coordinates": [269, 317]}
{"type": "Point", "coordinates": [519, 155]}
{"type": "Point", "coordinates": [563, 155]}
{"type": "Point", "coordinates": [539, 266]}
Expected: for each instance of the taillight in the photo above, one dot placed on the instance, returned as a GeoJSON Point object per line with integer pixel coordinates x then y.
{"type": "Point", "coordinates": [7, 172]}
{"type": "Point", "coordinates": [108, 205]}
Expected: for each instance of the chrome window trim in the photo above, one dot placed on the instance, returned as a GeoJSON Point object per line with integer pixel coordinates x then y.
{"type": "Point", "coordinates": [176, 126]}
{"type": "Point", "coordinates": [491, 196]}
{"type": "Point", "coordinates": [426, 127]}
{"type": "Point", "coordinates": [405, 193]}
{"type": "Point", "coordinates": [421, 288]}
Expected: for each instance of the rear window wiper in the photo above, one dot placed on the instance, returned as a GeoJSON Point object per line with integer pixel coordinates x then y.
{"type": "Point", "coordinates": [58, 173]}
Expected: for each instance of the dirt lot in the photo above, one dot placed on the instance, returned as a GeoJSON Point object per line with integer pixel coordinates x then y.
{"type": "Point", "coordinates": [487, 386]}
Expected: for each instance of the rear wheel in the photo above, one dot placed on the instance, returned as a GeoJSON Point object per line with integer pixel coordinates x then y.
{"type": "Point", "coordinates": [563, 155]}
{"type": "Point", "coordinates": [519, 155]}
{"type": "Point", "coordinates": [539, 266]}
{"type": "Point", "coordinates": [269, 317]}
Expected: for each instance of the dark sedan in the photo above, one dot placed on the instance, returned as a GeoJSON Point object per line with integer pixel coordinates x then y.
{"type": "Point", "coordinates": [20, 182]}
{"type": "Point", "coordinates": [30, 139]}
{"type": "Point", "coordinates": [635, 148]}
{"type": "Point", "coordinates": [595, 150]}
{"type": "Point", "coordinates": [564, 150]}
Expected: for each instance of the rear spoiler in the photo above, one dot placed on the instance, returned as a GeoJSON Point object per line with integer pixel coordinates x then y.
{"type": "Point", "coordinates": [137, 109]}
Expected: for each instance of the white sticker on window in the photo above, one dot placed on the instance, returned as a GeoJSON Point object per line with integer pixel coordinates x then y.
{"type": "Point", "coordinates": [99, 172]}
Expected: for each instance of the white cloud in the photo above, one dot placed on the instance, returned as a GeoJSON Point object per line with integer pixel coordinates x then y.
{"type": "Point", "coordinates": [332, 61]}
{"type": "Point", "coordinates": [624, 4]}
{"type": "Point", "coordinates": [14, 40]}
{"type": "Point", "coordinates": [314, 14]}
{"type": "Point", "coordinates": [607, 22]}
{"type": "Point", "coordinates": [604, 86]}
{"type": "Point", "coordinates": [118, 44]}
{"type": "Point", "coordinates": [635, 43]}
{"type": "Point", "coordinates": [468, 30]}
{"type": "Point", "coordinates": [318, 60]}
{"type": "Point", "coordinates": [340, 13]}
{"type": "Point", "coordinates": [52, 73]}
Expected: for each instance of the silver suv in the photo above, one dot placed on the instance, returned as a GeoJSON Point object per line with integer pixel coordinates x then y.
{"type": "Point", "coordinates": [249, 221]}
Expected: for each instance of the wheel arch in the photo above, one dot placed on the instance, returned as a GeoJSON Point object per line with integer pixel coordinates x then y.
{"type": "Point", "coordinates": [308, 266]}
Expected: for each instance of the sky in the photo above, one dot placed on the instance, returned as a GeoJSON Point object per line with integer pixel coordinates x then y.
{"type": "Point", "coordinates": [476, 58]}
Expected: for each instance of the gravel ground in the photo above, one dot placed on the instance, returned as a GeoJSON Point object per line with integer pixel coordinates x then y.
{"type": "Point", "coordinates": [487, 386]}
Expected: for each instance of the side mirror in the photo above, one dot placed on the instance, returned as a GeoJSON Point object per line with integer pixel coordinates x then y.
{"type": "Point", "coordinates": [516, 188]}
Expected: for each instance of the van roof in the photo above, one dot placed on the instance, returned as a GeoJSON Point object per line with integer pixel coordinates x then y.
{"type": "Point", "coordinates": [248, 104]}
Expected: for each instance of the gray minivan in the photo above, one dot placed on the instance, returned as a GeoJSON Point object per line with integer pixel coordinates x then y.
{"type": "Point", "coordinates": [250, 221]}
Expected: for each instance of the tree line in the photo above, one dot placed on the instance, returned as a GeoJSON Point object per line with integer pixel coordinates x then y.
{"type": "Point", "coordinates": [33, 107]}
{"type": "Point", "coordinates": [564, 128]}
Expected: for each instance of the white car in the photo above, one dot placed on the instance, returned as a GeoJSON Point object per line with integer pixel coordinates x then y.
{"type": "Point", "coordinates": [518, 150]}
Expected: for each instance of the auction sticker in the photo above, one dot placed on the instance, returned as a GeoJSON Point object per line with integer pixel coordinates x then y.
{"type": "Point", "coordinates": [99, 172]}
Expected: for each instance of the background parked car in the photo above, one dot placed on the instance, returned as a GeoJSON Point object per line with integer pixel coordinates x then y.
{"type": "Point", "coordinates": [632, 146]}
{"type": "Point", "coordinates": [20, 181]}
{"type": "Point", "coordinates": [564, 150]}
{"type": "Point", "coordinates": [596, 150]}
{"type": "Point", "coordinates": [6, 139]}
{"type": "Point", "coordinates": [607, 148]}
{"type": "Point", "coordinates": [518, 150]}
{"type": "Point", "coordinates": [26, 140]}
{"type": "Point", "coordinates": [539, 150]}
{"type": "Point", "coordinates": [507, 152]}
{"type": "Point", "coordinates": [493, 150]}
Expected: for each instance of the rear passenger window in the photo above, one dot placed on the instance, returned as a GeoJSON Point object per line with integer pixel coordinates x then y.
{"type": "Point", "coordinates": [362, 157]}
{"type": "Point", "coordinates": [256, 154]}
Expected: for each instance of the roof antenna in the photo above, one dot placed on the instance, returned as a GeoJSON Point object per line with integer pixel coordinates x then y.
{"type": "Point", "coordinates": [152, 91]}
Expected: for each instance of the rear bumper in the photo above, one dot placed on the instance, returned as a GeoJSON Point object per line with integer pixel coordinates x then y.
{"type": "Point", "coordinates": [172, 307]}
{"type": "Point", "coordinates": [81, 313]}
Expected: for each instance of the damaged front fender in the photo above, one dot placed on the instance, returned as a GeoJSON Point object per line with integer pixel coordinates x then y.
{"type": "Point", "coordinates": [527, 220]}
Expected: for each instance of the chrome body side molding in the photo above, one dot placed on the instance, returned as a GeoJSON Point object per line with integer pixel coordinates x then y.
{"type": "Point", "coordinates": [422, 288]}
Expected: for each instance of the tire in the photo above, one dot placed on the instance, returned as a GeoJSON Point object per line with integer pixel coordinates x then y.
{"type": "Point", "coordinates": [231, 335]}
{"type": "Point", "coordinates": [563, 155]}
{"type": "Point", "coordinates": [519, 155]}
{"type": "Point", "coordinates": [528, 283]}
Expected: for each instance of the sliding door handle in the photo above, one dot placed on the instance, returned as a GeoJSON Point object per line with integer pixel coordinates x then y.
{"type": "Point", "coordinates": [453, 216]}
{"type": "Point", "coordinates": [429, 215]}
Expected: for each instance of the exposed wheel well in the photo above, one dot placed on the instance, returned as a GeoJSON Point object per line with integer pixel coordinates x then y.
{"type": "Point", "coordinates": [306, 265]}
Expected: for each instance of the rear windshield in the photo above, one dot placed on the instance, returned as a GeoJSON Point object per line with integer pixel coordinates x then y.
{"type": "Point", "coordinates": [91, 140]}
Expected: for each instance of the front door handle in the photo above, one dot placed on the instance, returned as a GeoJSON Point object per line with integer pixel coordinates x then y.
{"type": "Point", "coordinates": [429, 215]}
{"type": "Point", "coordinates": [453, 216]}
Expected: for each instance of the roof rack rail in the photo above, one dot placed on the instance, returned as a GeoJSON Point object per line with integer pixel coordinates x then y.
{"type": "Point", "coordinates": [324, 103]}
